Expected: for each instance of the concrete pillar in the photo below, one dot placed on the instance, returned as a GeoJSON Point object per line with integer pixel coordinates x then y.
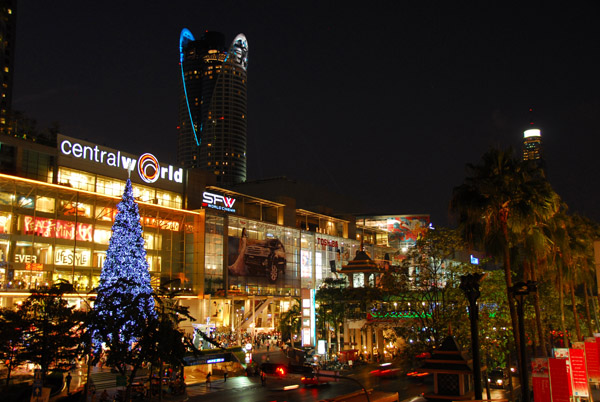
{"type": "Point", "coordinates": [347, 339]}
{"type": "Point", "coordinates": [369, 340]}
{"type": "Point", "coordinates": [380, 342]}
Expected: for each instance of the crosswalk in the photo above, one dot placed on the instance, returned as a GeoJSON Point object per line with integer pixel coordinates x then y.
{"type": "Point", "coordinates": [202, 389]}
{"type": "Point", "coordinates": [106, 379]}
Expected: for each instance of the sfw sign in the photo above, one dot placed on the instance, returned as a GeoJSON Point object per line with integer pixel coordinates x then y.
{"type": "Point", "coordinates": [217, 201]}
{"type": "Point", "coordinates": [147, 165]}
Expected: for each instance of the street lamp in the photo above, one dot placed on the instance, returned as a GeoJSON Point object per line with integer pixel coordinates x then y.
{"type": "Point", "coordinates": [520, 290]}
{"type": "Point", "coordinates": [470, 285]}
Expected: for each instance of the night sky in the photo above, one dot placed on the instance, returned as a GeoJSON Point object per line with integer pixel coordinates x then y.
{"type": "Point", "coordinates": [387, 101]}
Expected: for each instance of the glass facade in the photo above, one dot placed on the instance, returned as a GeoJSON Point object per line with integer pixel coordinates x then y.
{"type": "Point", "coordinates": [48, 232]}
{"type": "Point", "coordinates": [114, 187]}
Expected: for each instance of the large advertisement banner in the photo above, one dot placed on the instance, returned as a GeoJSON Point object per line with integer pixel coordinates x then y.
{"type": "Point", "coordinates": [248, 257]}
{"type": "Point", "coordinates": [406, 228]}
{"type": "Point", "coordinates": [540, 377]}
{"type": "Point", "coordinates": [559, 380]}
{"type": "Point", "coordinates": [563, 354]}
{"type": "Point", "coordinates": [579, 372]}
{"type": "Point", "coordinates": [592, 360]}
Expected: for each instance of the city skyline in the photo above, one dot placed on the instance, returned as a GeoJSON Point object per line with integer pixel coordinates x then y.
{"type": "Point", "coordinates": [431, 88]}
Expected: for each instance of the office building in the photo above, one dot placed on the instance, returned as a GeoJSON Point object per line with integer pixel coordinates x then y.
{"type": "Point", "coordinates": [8, 17]}
{"type": "Point", "coordinates": [212, 108]}
{"type": "Point", "coordinates": [532, 144]}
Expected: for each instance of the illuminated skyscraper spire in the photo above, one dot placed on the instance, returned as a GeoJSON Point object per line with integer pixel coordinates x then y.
{"type": "Point", "coordinates": [212, 106]}
{"type": "Point", "coordinates": [532, 141]}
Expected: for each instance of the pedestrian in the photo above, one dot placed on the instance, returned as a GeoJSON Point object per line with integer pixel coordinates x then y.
{"type": "Point", "coordinates": [225, 376]}
{"type": "Point", "coordinates": [263, 378]}
{"type": "Point", "coordinates": [208, 379]}
{"type": "Point", "coordinates": [68, 379]}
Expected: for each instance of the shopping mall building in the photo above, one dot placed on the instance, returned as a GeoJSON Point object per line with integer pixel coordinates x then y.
{"type": "Point", "coordinates": [239, 260]}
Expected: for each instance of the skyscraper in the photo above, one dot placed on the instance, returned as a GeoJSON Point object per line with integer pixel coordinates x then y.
{"type": "Point", "coordinates": [532, 144]}
{"type": "Point", "coordinates": [532, 141]}
{"type": "Point", "coordinates": [8, 18]}
{"type": "Point", "coordinates": [212, 107]}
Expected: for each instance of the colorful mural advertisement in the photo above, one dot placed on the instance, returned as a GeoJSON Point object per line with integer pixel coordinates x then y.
{"type": "Point", "coordinates": [406, 229]}
{"type": "Point", "coordinates": [248, 257]}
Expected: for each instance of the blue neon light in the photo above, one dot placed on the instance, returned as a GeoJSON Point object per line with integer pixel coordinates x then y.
{"type": "Point", "coordinates": [185, 37]}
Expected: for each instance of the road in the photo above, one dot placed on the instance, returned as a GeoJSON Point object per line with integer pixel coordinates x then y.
{"type": "Point", "coordinates": [290, 389]}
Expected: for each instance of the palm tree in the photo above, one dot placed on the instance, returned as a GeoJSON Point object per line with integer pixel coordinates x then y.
{"type": "Point", "coordinates": [289, 321]}
{"type": "Point", "coordinates": [500, 199]}
{"type": "Point", "coordinates": [560, 258]}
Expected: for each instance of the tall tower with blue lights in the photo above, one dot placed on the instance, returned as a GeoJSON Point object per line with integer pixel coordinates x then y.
{"type": "Point", "coordinates": [213, 105]}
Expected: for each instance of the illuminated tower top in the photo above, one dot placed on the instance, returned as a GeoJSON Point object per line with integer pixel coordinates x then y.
{"type": "Point", "coordinates": [212, 108]}
{"type": "Point", "coordinates": [532, 142]}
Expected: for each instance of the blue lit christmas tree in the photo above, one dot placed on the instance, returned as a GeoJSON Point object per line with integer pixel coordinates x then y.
{"type": "Point", "coordinates": [124, 307]}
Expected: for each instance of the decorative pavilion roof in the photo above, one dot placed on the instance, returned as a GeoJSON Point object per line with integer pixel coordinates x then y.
{"type": "Point", "coordinates": [362, 263]}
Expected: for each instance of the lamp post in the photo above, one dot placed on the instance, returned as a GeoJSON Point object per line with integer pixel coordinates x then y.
{"type": "Point", "coordinates": [520, 290]}
{"type": "Point", "coordinates": [470, 285]}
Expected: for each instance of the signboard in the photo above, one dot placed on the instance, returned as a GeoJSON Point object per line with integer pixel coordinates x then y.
{"type": "Point", "coordinates": [66, 256]}
{"type": "Point", "coordinates": [146, 166]}
{"type": "Point", "coordinates": [218, 201]}
{"type": "Point", "coordinates": [211, 358]}
{"type": "Point", "coordinates": [592, 360]}
{"type": "Point", "coordinates": [559, 380]}
{"type": "Point", "coordinates": [57, 228]}
{"type": "Point", "coordinates": [579, 372]}
{"type": "Point", "coordinates": [563, 354]}
{"type": "Point", "coordinates": [540, 377]}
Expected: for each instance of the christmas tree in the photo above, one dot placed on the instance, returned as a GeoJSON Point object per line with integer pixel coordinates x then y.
{"type": "Point", "coordinates": [124, 307]}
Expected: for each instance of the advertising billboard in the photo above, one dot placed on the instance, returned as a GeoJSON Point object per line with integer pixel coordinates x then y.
{"type": "Point", "coordinates": [406, 229]}
{"type": "Point", "coordinates": [250, 257]}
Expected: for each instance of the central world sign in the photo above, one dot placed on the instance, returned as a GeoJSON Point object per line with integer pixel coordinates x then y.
{"type": "Point", "coordinates": [147, 165]}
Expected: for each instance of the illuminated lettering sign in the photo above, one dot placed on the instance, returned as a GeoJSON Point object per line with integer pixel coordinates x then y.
{"type": "Point", "coordinates": [147, 165]}
{"type": "Point", "coordinates": [394, 315]}
{"type": "Point", "coordinates": [217, 201]}
{"type": "Point", "coordinates": [160, 223]}
{"type": "Point", "coordinates": [31, 266]}
{"type": "Point", "coordinates": [59, 229]}
{"type": "Point", "coordinates": [66, 256]}
{"type": "Point", "coordinates": [325, 242]}
{"type": "Point", "coordinates": [25, 258]}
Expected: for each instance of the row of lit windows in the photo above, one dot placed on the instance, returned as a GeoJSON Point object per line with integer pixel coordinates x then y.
{"type": "Point", "coordinates": [113, 187]}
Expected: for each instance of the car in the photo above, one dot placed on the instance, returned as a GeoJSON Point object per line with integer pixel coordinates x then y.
{"type": "Point", "coordinates": [266, 257]}
{"type": "Point", "coordinates": [314, 380]}
{"type": "Point", "coordinates": [417, 375]}
{"type": "Point", "coordinates": [497, 378]}
{"type": "Point", "coordinates": [386, 370]}
{"type": "Point", "coordinates": [274, 369]}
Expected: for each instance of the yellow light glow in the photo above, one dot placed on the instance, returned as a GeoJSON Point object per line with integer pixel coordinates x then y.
{"type": "Point", "coordinates": [534, 132]}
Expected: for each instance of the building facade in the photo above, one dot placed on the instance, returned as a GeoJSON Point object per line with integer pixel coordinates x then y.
{"type": "Point", "coordinates": [8, 17]}
{"type": "Point", "coordinates": [213, 105]}
{"type": "Point", "coordinates": [239, 261]}
{"type": "Point", "coordinates": [532, 145]}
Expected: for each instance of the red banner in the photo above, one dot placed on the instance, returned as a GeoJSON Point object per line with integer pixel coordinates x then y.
{"type": "Point", "coordinates": [540, 378]}
{"type": "Point", "coordinates": [559, 380]}
{"type": "Point", "coordinates": [592, 360]}
{"type": "Point", "coordinates": [579, 373]}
